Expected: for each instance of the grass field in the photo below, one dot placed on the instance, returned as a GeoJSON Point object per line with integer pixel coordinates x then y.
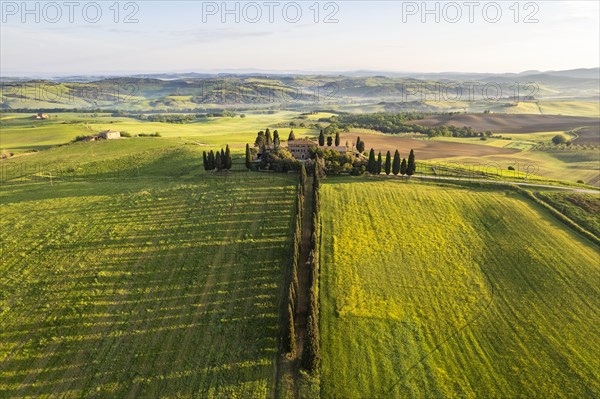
{"type": "Point", "coordinates": [443, 291]}
{"type": "Point", "coordinates": [21, 133]}
{"type": "Point", "coordinates": [159, 281]}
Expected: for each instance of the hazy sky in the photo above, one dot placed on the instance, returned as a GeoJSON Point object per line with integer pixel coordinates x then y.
{"type": "Point", "coordinates": [386, 36]}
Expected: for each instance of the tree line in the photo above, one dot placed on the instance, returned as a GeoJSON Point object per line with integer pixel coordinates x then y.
{"type": "Point", "coordinates": [266, 140]}
{"type": "Point", "coordinates": [289, 336]}
{"type": "Point", "coordinates": [221, 160]}
{"type": "Point", "coordinates": [311, 358]}
{"type": "Point", "coordinates": [330, 139]}
{"type": "Point", "coordinates": [396, 166]}
{"type": "Point", "coordinates": [395, 123]}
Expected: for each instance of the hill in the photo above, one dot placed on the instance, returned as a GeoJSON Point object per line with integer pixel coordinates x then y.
{"type": "Point", "coordinates": [193, 92]}
{"type": "Point", "coordinates": [511, 123]}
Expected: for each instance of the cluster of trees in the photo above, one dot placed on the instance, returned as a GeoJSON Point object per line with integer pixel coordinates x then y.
{"type": "Point", "coordinates": [330, 139]}
{"type": "Point", "coordinates": [334, 163]}
{"type": "Point", "coordinates": [266, 141]}
{"type": "Point", "coordinates": [169, 118]}
{"type": "Point", "coordinates": [311, 357]}
{"type": "Point", "coordinates": [220, 160]}
{"type": "Point", "coordinates": [360, 145]}
{"type": "Point", "coordinates": [396, 123]}
{"type": "Point", "coordinates": [274, 157]}
{"type": "Point", "coordinates": [289, 336]}
{"type": "Point", "coordinates": [559, 139]}
{"type": "Point", "coordinates": [396, 166]}
{"type": "Point", "coordinates": [155, 134]}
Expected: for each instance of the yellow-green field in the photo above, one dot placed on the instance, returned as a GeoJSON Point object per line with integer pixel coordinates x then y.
{"type": "Point", "coordinates": [444, 291]}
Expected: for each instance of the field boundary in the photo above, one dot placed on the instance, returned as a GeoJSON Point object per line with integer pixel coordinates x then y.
{"type": "Point", "coordinates": [561, 217]}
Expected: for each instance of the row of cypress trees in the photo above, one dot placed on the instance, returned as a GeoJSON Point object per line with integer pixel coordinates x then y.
{"type": "Point", "coordinates": [219, 161]}
{"type": "Point", "coordinates": [311, 357]}
{"type": "Point", "coordinates": [289, 338]}
{"type": "Point", "coordinates": [396, 166]}
{"type": "Point", "coordinates": [330, 140]}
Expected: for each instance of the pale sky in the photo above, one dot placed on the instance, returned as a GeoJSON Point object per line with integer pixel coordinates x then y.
{"type": "Point", "coordinates": [190, 36]}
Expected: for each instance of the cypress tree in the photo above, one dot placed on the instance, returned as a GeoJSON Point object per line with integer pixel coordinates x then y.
{"type": "Point", "coordinates": [268, 138]}
{"type": "Point", "coordinates": [360, 147]}
{"type": "Point", "coordinates": [227, 160]}
{"type": "Point", "coordinates": [321, 139]}
{"type": "Point", "coordinates": [411, 168]}
{"type": "Point", "coordinates": [292, 297]}
{"type": "Point", "coordinates": [276, 143]}
{"type": "Point", "coordinates": [211, 160]}
{"type": "Point", "coordinates": [223, 161]}
{"type": "Point", "coordinates": [357, 141]}
{"type": "Point", "coordinates": [337, 139]}
{"type": "Point", "coordinates": [317, 173]}
{"type": "Point", "coordinates": [295, 274]}
{"type": "Point", "coordinates": [204, 160]}
{"type": "Point", "coordinates": [218, 161]}
{"type": "Point", "coordinates": [260, 139]}
{"type": "Point", "coordinates": [292, 136]}
{"type": "Point", "coordinates": [379, 164]}
{"type": "Point", "coordinates": [403, 167]}
{"type": "Point", "coordinates": [329, 141]}
{"type": "Point", "coordinates": [248, 157]}
{"type": "Point", "coordinates": [396, 163]}
{"type": "Point", "coordinates": [312, 352]}
{"type": "Point", "coordinates": [302, 177]}
{"type": "Point", "coordinates": [291, 333]}
{"type": "Point", "coordinates": [371, 165]}
{"type": "Point", "coordinates": [388, 163]}
{"type": "Point", "coordinates": [275, 135]}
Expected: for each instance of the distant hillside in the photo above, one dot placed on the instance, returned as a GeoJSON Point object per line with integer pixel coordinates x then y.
{"type": "Point", "coordinates": [193, 92]}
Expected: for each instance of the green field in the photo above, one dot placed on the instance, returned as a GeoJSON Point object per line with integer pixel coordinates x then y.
{"type": "Point", "coordinates": [20, 133]}
{"type": "Point", "coordinates": [444, 291]}
{"type": "Point", "coordinates": [156, 281]}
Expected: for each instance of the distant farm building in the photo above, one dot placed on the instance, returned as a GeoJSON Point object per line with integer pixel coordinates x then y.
{"type": "Point", "coordinates": [300, 149]}
{"type": "Point", "coordinates": [40, 116]}
{"type": "Point", "coordinates": [109, 135]}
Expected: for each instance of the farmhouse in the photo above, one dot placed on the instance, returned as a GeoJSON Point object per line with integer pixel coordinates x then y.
{"type": "Point", "coordinates": [109, 134]}
{"type": "Point", "coordinates": [342, 149]}
{"type": "Point", "coordinates": [40, 115]}
{"type": "Point", "coordinates": [300, 149]}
